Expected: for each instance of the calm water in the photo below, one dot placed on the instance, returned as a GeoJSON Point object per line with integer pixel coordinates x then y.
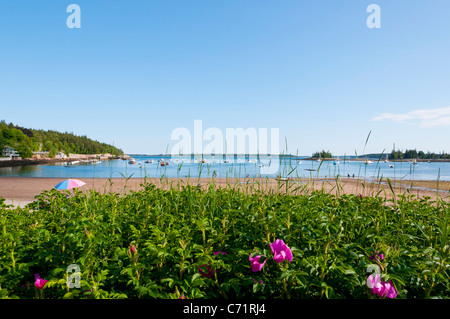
{"type": "Point", "coordinates": [238, 167]}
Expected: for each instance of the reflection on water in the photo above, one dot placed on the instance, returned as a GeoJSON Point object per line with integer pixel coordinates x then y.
{"type": "Point", "coordinates": [24, 171]}
{"type": "Point", "coordinates": [218, 166]}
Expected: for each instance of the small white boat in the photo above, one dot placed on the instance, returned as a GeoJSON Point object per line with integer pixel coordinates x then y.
{"type": "Point", "coordinates": [391, 165]}
{"type": "Point", "coordinates": [72, 163]}
{"type": "Point", "coordinates": [149, 161]}
{"type": "Point", "coordinates": [299, 162]}
{"type": "Point", "coordinates": [367, 162]}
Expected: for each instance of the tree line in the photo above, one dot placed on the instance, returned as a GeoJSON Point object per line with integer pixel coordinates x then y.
{"type": "Point", "coordinates": [26, 141]}
{"type": "Point", "coordinates": [414, 154]}
{"type": "Point", "coordinates": [395, 154]}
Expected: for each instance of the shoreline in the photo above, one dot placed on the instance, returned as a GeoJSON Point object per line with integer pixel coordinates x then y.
{"type": "Point", "coordinates": [70, 158]}
{"type": "Point", "coordinates": [20, 191]}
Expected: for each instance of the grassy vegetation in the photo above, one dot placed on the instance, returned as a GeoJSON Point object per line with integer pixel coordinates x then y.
{"type": "Point", "coordinates": [193, 242]}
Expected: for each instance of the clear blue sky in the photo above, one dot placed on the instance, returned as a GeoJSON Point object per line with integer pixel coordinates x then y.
{"type": "Point", "coordinates": [136, 70]}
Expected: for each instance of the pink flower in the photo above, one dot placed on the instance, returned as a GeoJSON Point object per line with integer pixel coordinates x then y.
{"type": "Point", "coordinates": [182, 297]}
{"type": "Point", "coordinates": [382, 289]}
{"type": "Point", "coordinates": [219, 252]}
{"type": "Point", "coordinates": [39, 282]}
{"type": "Point", "coordinates": [133, 249]}
{"type": "Point", "coordinates": [256, 265]}
{"type": "Point", "coordinates": [377, 256]}
{"type": "Point", "coordinates": [280, 251]}
{"type": "Point", "coordinates": [207, 274]}
{"type": "Point", "coordinates": [391, 292]}
{"type": "Point", "coordinates": [378, 287]}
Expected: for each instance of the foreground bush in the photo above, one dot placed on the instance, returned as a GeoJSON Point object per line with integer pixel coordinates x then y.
{"type": "Point", "coordinates": [193, 243]}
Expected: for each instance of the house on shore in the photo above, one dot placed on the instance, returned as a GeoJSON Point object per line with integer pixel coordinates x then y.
{"type": "Point", "coordinates": [60, 155]}
{"type": "Point", "coordinates": [10, 152]}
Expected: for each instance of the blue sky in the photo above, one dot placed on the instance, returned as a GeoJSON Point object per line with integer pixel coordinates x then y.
{"type": "Point", "coordinates": [137, 70]}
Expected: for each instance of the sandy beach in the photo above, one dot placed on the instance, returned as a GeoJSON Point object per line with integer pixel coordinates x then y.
{"type": "Point", "coordinates": [20, 191]}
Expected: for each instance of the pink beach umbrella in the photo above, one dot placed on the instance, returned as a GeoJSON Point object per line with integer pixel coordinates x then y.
{"type": "Point", "coordinates": [70, 183]}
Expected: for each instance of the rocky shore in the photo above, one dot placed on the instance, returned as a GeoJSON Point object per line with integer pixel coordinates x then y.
{"type": "Point", "coordinates": [72, 157]}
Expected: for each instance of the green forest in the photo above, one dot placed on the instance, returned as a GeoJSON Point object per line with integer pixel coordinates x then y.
{"type": "Point", "coordinates": [25, 141]}
{"type": "Point", "coordinates": [414, 154]}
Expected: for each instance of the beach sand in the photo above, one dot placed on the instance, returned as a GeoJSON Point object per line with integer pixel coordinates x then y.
{"type": "Point", "coordinates": [20, 191]}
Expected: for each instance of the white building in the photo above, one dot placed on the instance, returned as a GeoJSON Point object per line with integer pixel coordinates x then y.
{"type": "Point", "coordinates": [9, 152]}
{"type": "Point", "coordinates": [60, 155]}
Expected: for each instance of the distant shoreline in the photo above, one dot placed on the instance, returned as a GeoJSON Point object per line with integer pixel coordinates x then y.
{"type": "Point", "coordinates": [43, 161]}
{"type": "Point", "coordinates": [74, 157]}
{"type": "Point", "coordinates": [437, 160]}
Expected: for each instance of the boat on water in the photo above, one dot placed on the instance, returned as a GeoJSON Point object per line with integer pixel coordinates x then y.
{"type": "Point", "coordinates": [299, 162]}
{"type": "Point", "coordinates": [414, 162]}
{"type": "Point", "coordinates": [391, 165]}
{"type": "Point", "coordinates": [162, 162]}
{"type": "Point", "coordinates": [367, 162]}
{"type": "Point", "coordinates": [72, 163]}
{"type": "Point", "coordinates": [149, 161]}
{"type": "Point", "coordinates": [132, 161]}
